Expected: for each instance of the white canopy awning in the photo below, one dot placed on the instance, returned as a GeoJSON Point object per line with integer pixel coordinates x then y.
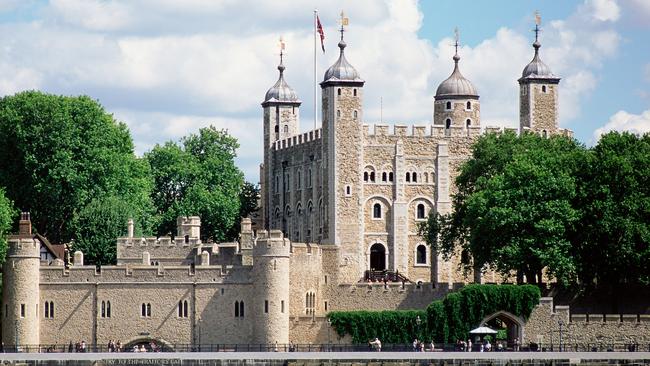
{"type": "Point", "coordinates": [483, 330]}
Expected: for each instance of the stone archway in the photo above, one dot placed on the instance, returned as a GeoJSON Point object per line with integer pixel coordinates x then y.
{"type": "Point", "coordinates": [161, 344]}
{"type": "Point", "coordinates": [513, 325]}
{"type": "Point", "coordinates": [377, 257]}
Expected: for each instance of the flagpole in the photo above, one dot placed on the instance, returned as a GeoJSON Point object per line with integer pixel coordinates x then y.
{"type": "Point", "coordinates": [315, 85]}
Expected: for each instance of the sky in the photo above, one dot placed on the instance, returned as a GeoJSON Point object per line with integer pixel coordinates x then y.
{"type": "Point", "coordinates": [167, 68]}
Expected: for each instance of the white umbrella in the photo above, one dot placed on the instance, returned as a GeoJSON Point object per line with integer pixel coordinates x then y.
{"type": "Point", "coordinates": [483, 330]}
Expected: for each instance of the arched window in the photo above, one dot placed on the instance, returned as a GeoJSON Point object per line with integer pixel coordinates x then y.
{"type": "Point", "coordinates": [236, 309]}
{"type": "Point", "coordinates": [383, 176]}
{"type": "Point", "coordinates": [426, 177]}
{"type": "Point", "coordinates": [148, 310]}
{"type": "Point", "coordinates": [365, 176]}
{"type": "Point", "coordinates": [376, 211]}
{"type": "Point", "coordinates": [544, 134]}
{"type": "Point", "coordinates": [338, 91]}
{"type": "Point", "coordinates": [309, 179]}
{"type": "Point", "coordinates": [468, 105]}
{"type": "Point", "coordinates": [108, 309]}
{"type": "Point", "coordinates": [355, 114]}
{"type": "Point", "coordinates": [103, 309]}
{"type": "Point", "coordinates": [448, 105]}
{"type": "Point", "coordinates": [47, 309]}
{"type": "Point", "coordinates": [241, 309]}
{"type": "Point", "coordinates": [390, 176]}
{"type": "Point", "coordinates": [180, 308]}
{"type": "Point", "coordinates": [372, 177]}
{"type": "Point", "coordinates": [421, 254]}
{"type": "Point", "coordinates": [420, 211]}
{"type": "Point", "coordinates": [468, 122]}
{"type": "Point", "coordinates": [448, 123]}
{"type": "Point", "coordinates": [277, 128]}
{"type": "Point", "coordinates": [543, 88]}
{"type": "Point", "coordinates": [415, 177]}
{"type": "Point", "coordinates": [52, 309]}
{"type": "Point", "coordinates": [144, 309]}
{"type": "Point", "coordinates": [185, 309]}
{"type": "Point", "coordinates": [354, 91]}
{"type": "Point", "coordinates": [338, 113]}
{"type": "Point", "coordinates": [310, 303]}
{"type": "Point", "coordinates": [408, 176]}
{"type": "Point", "coordinates": [286, 129]}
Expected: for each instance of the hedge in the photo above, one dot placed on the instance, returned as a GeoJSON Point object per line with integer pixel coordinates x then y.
{"type": "Point", "coordinates": [443, 320]}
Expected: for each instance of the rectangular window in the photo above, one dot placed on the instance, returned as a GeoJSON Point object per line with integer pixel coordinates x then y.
{"type": "Point", "coordinates": [22, 310]}
{"type": "Point", "coordinates": [266, 306]}
{"type": "Point", "coordinates": [325, 305]}
{"type": "Point", "coordinates": [282, 306]}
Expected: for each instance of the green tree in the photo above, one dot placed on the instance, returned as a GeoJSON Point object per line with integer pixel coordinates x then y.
{"type": "Point", "coordinates": [513, 210]}
{"type": "Point", "coordinates": [613, 241]}
{"type": "Point", "coordinates": [59, 153]}
{"type": "Point", "coordinates": [197, 177]}
{"type": "Point", "coordinates": [248, 204]}
{"type": "Point", "coordinates": [7, 216]}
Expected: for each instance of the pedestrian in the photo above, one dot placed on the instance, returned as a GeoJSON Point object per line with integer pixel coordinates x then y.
{"type": "Point", "coordinates": [488, 346]}
{"type": "Point", "coordinates": [469, 345]}
{"type": "Point", "coordinates": [376, 344]}
{"type": "Point", "coordinates": [70, 347]}
{"type": "Point", "coordinates": [83, 346]}
{"type": "Point", "coordinates": [433, 346]}
{"type": "Point", "coordinates": [415, 345]}
{"type": "Point", "coordinates": [516, 346]}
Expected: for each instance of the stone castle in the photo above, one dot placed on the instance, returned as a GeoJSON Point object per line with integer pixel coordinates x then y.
{"type": "Point", "coordinates": [339, 205]}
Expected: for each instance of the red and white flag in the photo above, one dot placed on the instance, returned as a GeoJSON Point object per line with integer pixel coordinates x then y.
{"type": "Point", "coordinates": [319, 29]}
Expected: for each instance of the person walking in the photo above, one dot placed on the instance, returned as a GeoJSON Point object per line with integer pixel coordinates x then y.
{"type": "Point", "coordinates": [376, 344]}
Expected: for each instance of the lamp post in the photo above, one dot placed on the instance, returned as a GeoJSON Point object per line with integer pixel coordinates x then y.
{"type": "Point", "coordinates": [560, 323]}
{"type": "Point", "coordinates": [329, 340]}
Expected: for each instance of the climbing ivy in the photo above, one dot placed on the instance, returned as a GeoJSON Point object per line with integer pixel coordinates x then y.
{"type": "Point", "coordinates": [443, 320]}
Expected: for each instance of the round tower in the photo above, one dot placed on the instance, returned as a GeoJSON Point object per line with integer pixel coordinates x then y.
{"type": "Point", "coordinates": [456, 103]}
{"type": "Point", "coordinates": [271, 292]}
{"type": "Point", "coordinates": [20, 288]}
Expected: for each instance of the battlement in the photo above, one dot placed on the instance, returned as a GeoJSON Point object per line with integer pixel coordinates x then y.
{"type": "Point", "coordinates": [19, 246]}
{"type": "Point", "coordinates": [301, 249]}
{"type": "Point", "coordinates": [271, 243]}
{"type": "Point", "coordinates": [438, 131]}
{"type": "Point", "coordinates": [298, 139]}
{"type": "Point", "coordinates": [610, 318]}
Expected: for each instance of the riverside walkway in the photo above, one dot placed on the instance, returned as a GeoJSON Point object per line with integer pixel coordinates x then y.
{"type": "Point", "coordinates": [329, 358]}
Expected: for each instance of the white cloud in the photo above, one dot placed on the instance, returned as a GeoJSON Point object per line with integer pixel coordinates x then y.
{"type": "Point", "coordinates": [168, 68]}
{"type": "Point", "coordinates": [603, 10]}
{"type": "Point", "coordinates": [624, 121]}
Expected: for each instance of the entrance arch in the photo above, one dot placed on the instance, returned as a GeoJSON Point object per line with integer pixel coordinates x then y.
{"type": "Point", "coordinates": [513, 325]}
{"type": "Point", "coordinates": [147, 342]}
{"type": "Point", "coordinates": [378, 257]}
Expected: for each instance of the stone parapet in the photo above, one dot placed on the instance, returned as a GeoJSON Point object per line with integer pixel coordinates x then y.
{"type": "Point", "coordinates": [298, 139]}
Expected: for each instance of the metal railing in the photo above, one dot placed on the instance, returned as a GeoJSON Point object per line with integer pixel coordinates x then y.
{"type": "Point", "coordinates": [384, 276]}
{"type": "Point", "coordinates": [439, 347]}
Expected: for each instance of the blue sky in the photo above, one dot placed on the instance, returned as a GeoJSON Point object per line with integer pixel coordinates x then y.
{"type": "Point", "coordinates": [167, 68]}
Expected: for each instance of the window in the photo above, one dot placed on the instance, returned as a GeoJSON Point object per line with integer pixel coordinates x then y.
{"type": "Point", "coordinates": [325, 305]}
{"type": "Point", "coordinates": [309, 178]}
{"type": "Point", "coordinates": [338, 91]}
{"type": "Point", "coordinates": [183, 309]}
{"type": "Point", "coordinates": [408, 176]}
{"type": "Point", "coordinates": [448, 123]}
{"type": "Point", "coordinates": [372, 177]}
{"type": "Point", "coordinates": [338, 113]}
{"type": "Point", "coordinates": [544, 134]}
{"type": "Point", "coordinates": [108, 309]}
{"type": "Point", "coordinates": [286, 129]}
{"type": "Point", "coordinates": [355, 114]}
{"type": "Point", "coordinates": [448, 106]}
{"type": "Point", "coordinates": [420, 211]}
{"type": "Point", "coordinates": [469, 105]}
{"type": "Point", "coordinates": [22, 310]}
{"type": "Point", "coordinates": [365, 176]}
{"type": "Point", "coordinates": [354, 92]}
{"type": "Point", "coordinates": [376, 211]}
{"type": "Point", "coordinates": [103, 309]}
{"type": "Point", "coordinates": [266, 306]}
{"type": "Point", "coordinates": [426, 177]}
{"type": "Point", "coordinates": [543, 88]}
{"type": "Point", "coordinates": [277, 128]}
{"type": "Point", "coordinates": [348, 191]}
{"type": "Point", "coordinates": [146, 310]}
{"type": "Point", "coordinates": [187, 239]}
{"type": "Point", "coordinates": [282, 306]}
{"type": "Point", "coordinates": [298, 179]}
{"type": "Point", "coordinates": [239, 309]}
{"type": "Point", "coordinates": [421, 254]}
{"type": "Point", "coordinates": [49, 309]}
{"type": "Point", "coordinates": [390, 176]}
{"type": "Point", "coordinates": [415, 177]}
{"type": "Point", "coordinates": [383, 176]}
{"type": "Point", "coordinates": [310, 303]}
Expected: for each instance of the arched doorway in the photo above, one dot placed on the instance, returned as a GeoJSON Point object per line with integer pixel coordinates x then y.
{"type": "Point", "coordinates": [149, 344]}
{"type": "Point", "coordinates": [377, 257]}
{"type": "Point", "coordinates": [509, 325]}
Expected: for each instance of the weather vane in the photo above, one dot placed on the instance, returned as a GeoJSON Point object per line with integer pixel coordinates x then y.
{"type": "Point", "coordinates": [538, 22]}
{"type": "Point", "coordinates": [457, 38]}
{"type": "Point", "coordinates": [281, 45]}
{"type": "Point", "coordinates": [344, 23]}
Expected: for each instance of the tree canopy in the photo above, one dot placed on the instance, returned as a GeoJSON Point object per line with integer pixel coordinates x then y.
{"type": "Point", "coordinates": [7, 215]}
{"type": "Point", "coordinates": [197, 176]}
{"type": "Point", "coordinates": [529, 203]}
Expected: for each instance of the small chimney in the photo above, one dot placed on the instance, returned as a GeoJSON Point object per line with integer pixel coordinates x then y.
{"type": "Point", "coordinates": [24, 225]}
